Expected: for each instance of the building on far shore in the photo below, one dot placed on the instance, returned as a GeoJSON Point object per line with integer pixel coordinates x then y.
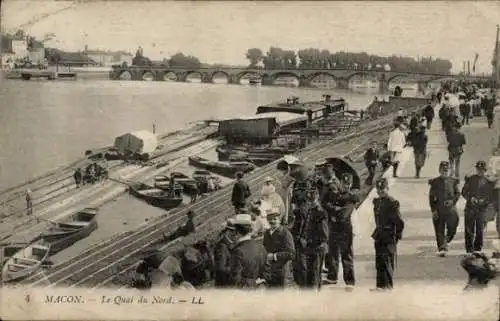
{"type": "Point", "coordinates": [109, 58]}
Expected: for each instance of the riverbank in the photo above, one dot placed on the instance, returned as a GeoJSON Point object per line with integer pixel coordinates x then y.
{"type": "Point", "coordinates": [93, 267]}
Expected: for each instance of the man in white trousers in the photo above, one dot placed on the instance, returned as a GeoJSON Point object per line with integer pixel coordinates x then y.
{"type": "Point", "coordinates": [395, 145]}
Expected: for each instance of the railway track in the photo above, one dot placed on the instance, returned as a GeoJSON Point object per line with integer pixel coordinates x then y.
{"type": "Point", "coordinates": [59, 181]}
{"type": "Point", "coordinates": [98, 195]}
{"type": "Point", "coordinates": [105, 260]}
{"type": "Point", "coordinates": [206, 230]}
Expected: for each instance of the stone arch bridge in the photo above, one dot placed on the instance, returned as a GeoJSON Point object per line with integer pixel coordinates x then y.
{"type": "Point", "coordinates": [304, 76]}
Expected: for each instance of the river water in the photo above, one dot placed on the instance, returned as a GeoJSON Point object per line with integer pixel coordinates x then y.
{"type": "Point", "coordinates": [47, 124]}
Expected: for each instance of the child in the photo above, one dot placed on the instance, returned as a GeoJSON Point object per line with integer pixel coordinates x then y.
{"type": "Point", "coordinates": [371, 159]}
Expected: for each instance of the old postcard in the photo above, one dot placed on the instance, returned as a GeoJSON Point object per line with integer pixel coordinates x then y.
{"type": "Point", "coordinates": [165, 160]}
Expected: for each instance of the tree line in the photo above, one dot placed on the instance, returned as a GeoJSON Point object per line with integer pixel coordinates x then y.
{"type": "Point", "coordinates": [177, 60]}
{"type": "Point", "coordinates": [278, 58]}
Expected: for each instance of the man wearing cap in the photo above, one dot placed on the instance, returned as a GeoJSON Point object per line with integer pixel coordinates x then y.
{"type": "Point", "coordinates": [310, 232]}
{"type": "Point", "coordinates": [241, 193]}
{"type": "Point", "coordinates": [279, 244]}
{"type": "Point", "coordinates": [429, 115]}
{"type": "Point", "coordinates": [478, 194]}
{"type": "Point", "coordinates": [371, 158]}
{"type": "Point", "coordinates": [248, 256]}
{"type": "Point", "coordinates": [443, 197]}
{"type": "Point", "coordinates": [341, 235]}
{"type": "Point", "coordinates": [388, 231]}
{"type": "Point", "coordinates": [222, 257]}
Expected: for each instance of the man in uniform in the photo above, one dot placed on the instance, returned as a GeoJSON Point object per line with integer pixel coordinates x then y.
{"type": "Point", "coordinates": [478, 193]}
{"type": "Point", "coordinates": [443, 196]}
{"type": "Point", "coordinates": [340, 202]}
{"type": "Point", "coordinates": [309, 230]}
{"type": "Point", "coordinates": [388, 231]}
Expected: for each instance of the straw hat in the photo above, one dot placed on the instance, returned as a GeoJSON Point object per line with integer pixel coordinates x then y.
{"type": "Point", "coordinates": [240, 219]}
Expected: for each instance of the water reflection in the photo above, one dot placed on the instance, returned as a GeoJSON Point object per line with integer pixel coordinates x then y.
{"type": "Point", "coordinates": [44, 125]}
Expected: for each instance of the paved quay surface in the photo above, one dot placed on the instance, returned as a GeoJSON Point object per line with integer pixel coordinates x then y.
{"type": "Point", "coordinates": [417, 260]}
{"type": "Point", "coordinates": [22, 229]}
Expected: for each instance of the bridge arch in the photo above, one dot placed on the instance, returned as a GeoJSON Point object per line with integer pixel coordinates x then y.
{"type": "Point", "coordinates": [125, 75]}
{"type": "Point", "coordinates": [148, 75]}
{"type": "Point", "coordinates": [241, 75]}
{"type": "Point", "coordinates": [361, 73]}
{"type": "Point", "coordinates": [315, 75]}
{"type": "Point", "coordinates": [219, 72]}
{"type": "Point", "coordinates": [193, 72]}
{"type": "Point", "coordinates": [397, 76]}
{"type": "Point", "coordinates": [169, 75]}
{"type": "Point", "coordinates": [277, 75]}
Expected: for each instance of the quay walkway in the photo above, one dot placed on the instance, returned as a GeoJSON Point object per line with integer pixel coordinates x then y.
{"type": "Point", "coordinates": [417, 260]}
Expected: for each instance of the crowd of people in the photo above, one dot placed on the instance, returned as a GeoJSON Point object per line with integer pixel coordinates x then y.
{"type": "Point", "coordinates": [266, 244]}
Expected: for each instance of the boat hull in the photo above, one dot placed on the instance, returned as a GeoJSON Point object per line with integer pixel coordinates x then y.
{"type": "Point", "coordinates": [226, 170]}
{"type": "Point", "coordinates": [166, 203]}
{"type": "Point", "coordinates": [19, 267]}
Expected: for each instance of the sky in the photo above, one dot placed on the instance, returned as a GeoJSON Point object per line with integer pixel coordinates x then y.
{"type": "Point", "coordinates": [221, 32]}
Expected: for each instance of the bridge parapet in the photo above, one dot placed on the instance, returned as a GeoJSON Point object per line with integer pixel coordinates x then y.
{"type": "Point", "coordinates": [304, 76]}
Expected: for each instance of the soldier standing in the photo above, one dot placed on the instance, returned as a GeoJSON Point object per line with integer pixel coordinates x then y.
{"type": "Point", "coordinates": [309, 230]}
{"type": "Point", "coordinates": [388, 231]}
{"type": "Point", "coordinates": [443, 196]}
{"type": "Point", "coordinates": [478, 193]}
{"type": "Point", "coordinates": [341, 232]}
{"type": "Point", "coordinates": [278, 242]}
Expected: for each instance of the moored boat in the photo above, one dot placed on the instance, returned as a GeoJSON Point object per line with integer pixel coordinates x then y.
{"type": "Point", "coordinates": [224, 169]}
{"type": "Point", "coordinates": [155, 196]}
{"type": "Point", "coordinates": [74, 228]}
{"type": "Point", "coordinates": [182, 181]}
{"type": "Point", "coordinates": [23, 260]}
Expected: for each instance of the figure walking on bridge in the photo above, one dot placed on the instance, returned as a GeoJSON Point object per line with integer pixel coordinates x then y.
{"type": "Point", "coordinates": [456, 142]}
{"type": "Point", "coordinates": [443, 197]}
{"type": "Point", "coordinates": [478, 193]}
{"type": "Point", "coordinates": [395, 145]}
{"type": "Point", "coordinates": [388, 231]}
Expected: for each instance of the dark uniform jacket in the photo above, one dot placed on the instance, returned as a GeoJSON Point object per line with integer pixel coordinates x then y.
{"type": "Point", "coordinates": [443, 188]}
{"type": "Point", "coordinates": [222, 262]}
{"type": "Point", "coordinates": [478, 191]}
{"type": "Point", "coordinates": [418, 141]}
{"type": "Point", "coordinates": [248, 260]}
{"type": "Point", "coordinates": [389, 224]}
{"type": "Point", "coordinates": [413, 123]}
{"type": "Point", "coordinates": [310, 229]}
{"type": "Point", "coordinates": [456, 140]}
{"type": "Point", "coordinates": [241, 192]}
{"type": "Point", "coordinates": [428, 112]}
{"type": "Point", "coordinates": [371, 157]}
{"type": "Point", "coordinates": [280, 242]}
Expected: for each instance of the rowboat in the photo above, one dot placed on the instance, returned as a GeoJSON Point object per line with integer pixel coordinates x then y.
{"type": "Point", "coordinates": [182, 182]}
{"type": "Point", "coordinates": [23, 260]}
{"type": "Point", "coordinates": [156, 196]}
{"type": "Point", "coordinates": [225, 153]}
{"type": "Point", "coordinates": [74, 228]}
{"type": "Point", "coordinates": [224, 169]}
